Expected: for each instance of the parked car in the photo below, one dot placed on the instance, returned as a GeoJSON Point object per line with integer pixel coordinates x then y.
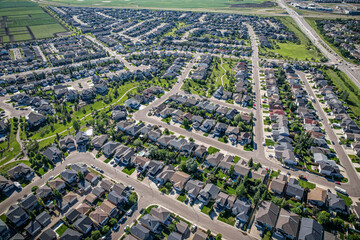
{"type": "Point", "coordinates": [129, 212]}
{"type": "Point", "coordinates": [18, 185]}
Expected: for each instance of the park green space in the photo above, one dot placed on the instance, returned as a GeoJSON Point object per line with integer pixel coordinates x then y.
{"type": "Point", "coordinates": [289, 50]}
{"type": "Point", "coordinates": [19, 15]}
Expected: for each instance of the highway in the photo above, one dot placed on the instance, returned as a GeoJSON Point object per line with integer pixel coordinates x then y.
{"type": "Point", "coordinates": [333, 57]}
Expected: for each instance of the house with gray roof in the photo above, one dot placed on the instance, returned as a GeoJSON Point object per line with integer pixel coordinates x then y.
{"type": "Point", "coordinates": [99, 141]}
{"type": "Point", "coordinates": [29, 203]}
{"type": "Point", "coordinates": [83, 224]}
{"type": "Point", "coordinates": [210, 191]}
{"type": "Point", "coordinates": [267, 215]}
{"type": "Point", "coordinates": [214, 159]}
{"type": "Point", "coordinates": [293, 189]}
{"type": "Point", "coordinates": [310, 229]}
{"type": "Point", "coordinates": [241, 210]}
{"type": "Point", "coordinates": [109, 148]}
{"type": "Point", "coordinates": [4, 230]}
{"type": "Point", "coordinates": [71, 234]}
{"type": "Point", "coordinates": [335, 203]}
{"type": "Point", "coordinates": [140, 232]}
{"type": "Point", "coordinates": [33, 228]}
{"type": "Point", "coordinates": [44, 219]}
{"type": "Point", "coordinates": [193, 187]}
{"type": "Point", "coordinates": [287, 225]}
{"type": "Point", "coordinates": [150, 222]}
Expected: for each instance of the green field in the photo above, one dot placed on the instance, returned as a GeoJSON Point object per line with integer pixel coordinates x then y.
{"type": "Point", "coordinates": [289, 50]}
{"type": "Point", "coordinates": [18, 15]}
{"type": "Point", "coordinates": [158, 3]}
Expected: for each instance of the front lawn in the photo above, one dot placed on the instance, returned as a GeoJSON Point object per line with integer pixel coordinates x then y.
{"type": "Point", "coordinates": [212, 150]}
{"type": "Point", "coordinates": [347, 200]}
{"type": "Point", "coordinates": [306, 184]}
{"type": "Point", "coordinates": [208, 208]}
{"type": "Point", "coordinates": [60, 231]}
{"type": "Point", "coordinates": [227, 218]}
{"type": "Point", "coordinates": [181, 198]}
{"type": "Point", "coordinates": [128, 170]}
{"type": "Point", "coordinates": [269, 142]}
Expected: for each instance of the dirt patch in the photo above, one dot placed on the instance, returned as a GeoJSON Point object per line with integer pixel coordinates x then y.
{"type": "Point", "coordinates": [31, 33]}
{"type": "Point", "coordinates": [266, 4]}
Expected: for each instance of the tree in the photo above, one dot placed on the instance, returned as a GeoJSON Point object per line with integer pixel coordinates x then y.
{"type": "Point", "coordinates": [133, 198]}
{"type": "Point", "coordinates": [57, 194]}
{"type": "Point", "coordinates": [191, 165]}
{"type": "Point", "coordinates": [186, 123]}
{"type": "Point", "coordinates": [323, 217]}
{"type": "Point", "coordinates": [105, 229]}
{"type": "Point", "coordinates": [138, 143]}
{"type": "Point", "coordinates": [251, 162]}
{"type": "Point", "coordinates": [240, 190]}
{"type": "Point", "coordinates": [113, 221]}
{"type": "Point", "coordinates": [95, 235]}
{"type": "Point", "coordinates": [166, 131]}
{"type": "Point", "coordinates": [81, 176]}
{"type": "Point", "coordinates": [172, 227]}
{"type": "Point", "coordinates": [34, 188]}
{"type": "Point", "coordinates": [76, 125]}
{"type": "Point", "coordinates": [218, 236]}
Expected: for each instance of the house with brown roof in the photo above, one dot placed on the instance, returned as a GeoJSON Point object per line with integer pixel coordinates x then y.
{"type": "Point", "coordinates": [277, 185]}
{"type": "Point", "coordinates": [90, 198]}
{"type": "Point", "coordinates": [160, 213]}
{"type": "Point", "coordinates": [109, 208]}
{"type": "Point", "coordinates": [99, 217]}
{"type": "Point", "coordinates": [317, 197]}
{"type": "Point", "coordinates": [83, 208]}
{"type": "Point", "coordinates": [57, 184]}
{"type": "Point", "coordinates": [91, 178]}
{"type": "Point", "coordinates": [179, 180]}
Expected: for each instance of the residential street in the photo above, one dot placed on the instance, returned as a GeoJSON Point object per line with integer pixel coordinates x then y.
{"type": "Point", "coordinates": [352, 187]}
{"type": "Point", "coordinates": [147, 196]}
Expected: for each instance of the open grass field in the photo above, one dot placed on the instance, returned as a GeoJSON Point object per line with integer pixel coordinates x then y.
{"type": "Point", "coordinates": [289, 50]}
{"type": "Point", "coordinates": [22, 20]}
{"type": "Point", "coordinates": [158, 3]}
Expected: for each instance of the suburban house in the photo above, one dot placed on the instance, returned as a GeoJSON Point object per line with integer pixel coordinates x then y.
{"type": "Point", "coordinates": [267, 215]}
{"type": "Point", "coordinates": [210, 191]}
{"type": "Point", "coordinates": [287, 225]}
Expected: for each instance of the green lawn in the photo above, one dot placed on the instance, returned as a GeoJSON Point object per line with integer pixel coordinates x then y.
{"type": "Point", "coordinates": [60, 231]}
{"type": "Point", "coordinates": [181, 198]}
{"type": "Point", "coordinates": [306, 184]}
{"type": "Point", "coordinates": [289, 50]}
{"type": "Point", "coordinates": [212, 150]}
{"type": "Point", "coordinates": [208, 208]}
{"type": "Point", "coordinates": [128, 170]}
{"type": "Point", "coordinates": [236, 159]}
{"type": "Point", "coordinates": [14, 146]}
{"type": "Point", "coordinates": [269, 142]}
{"type": "Point", "coordinates": [347, 200]}
{"type": "Point", "coordinates": [227, 218]}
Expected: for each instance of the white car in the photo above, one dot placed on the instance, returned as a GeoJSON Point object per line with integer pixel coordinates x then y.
{"type": "Point", "coordinates": [51, 178]}
{"type": "Point", "coordinates": [92, 166]}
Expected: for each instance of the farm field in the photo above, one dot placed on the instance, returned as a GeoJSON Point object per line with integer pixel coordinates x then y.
{"type": "Point", "coordinates": [289, 50]}
{"type": "Point", "coordinates": [167, 3]}
{"type": "Point", "coordinates": [24, 20]}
